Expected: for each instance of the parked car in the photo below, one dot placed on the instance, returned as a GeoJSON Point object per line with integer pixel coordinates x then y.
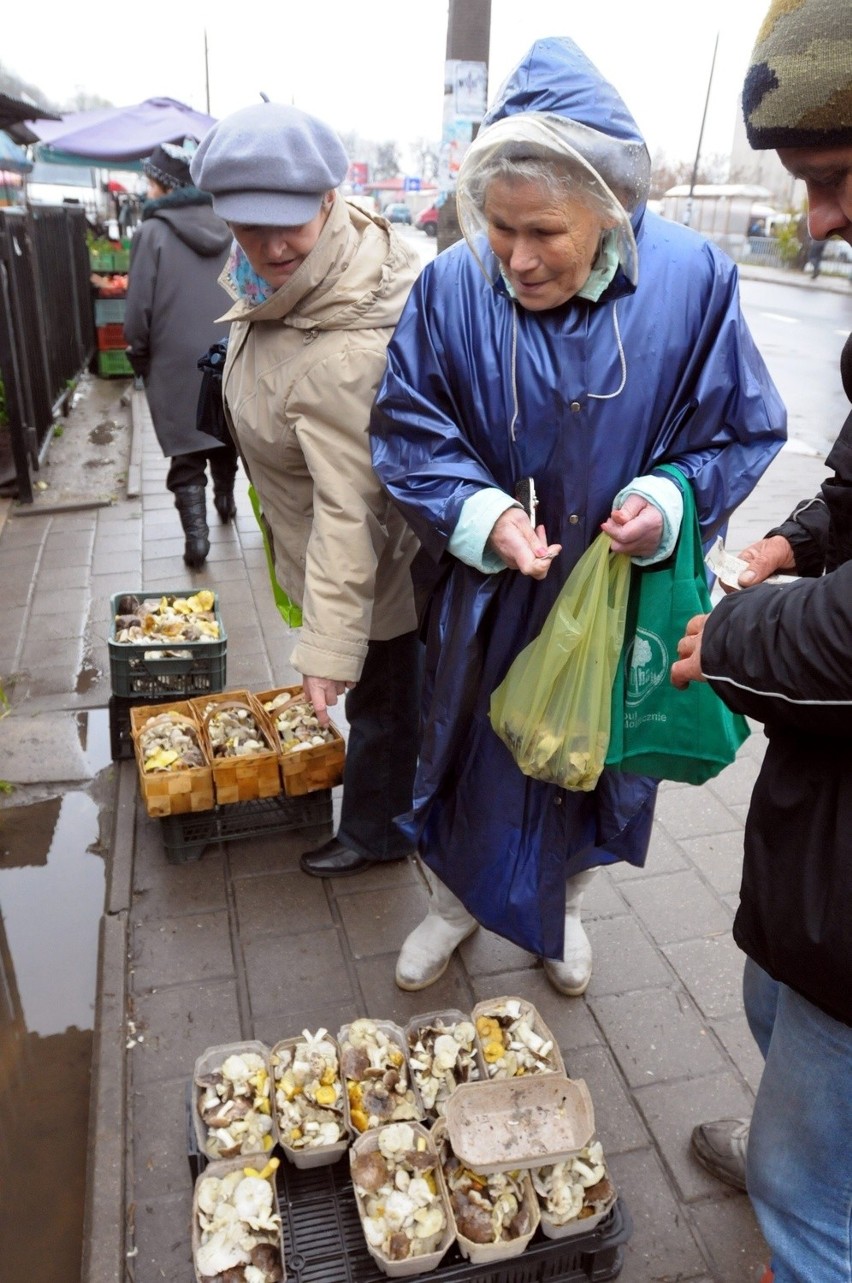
{"type": "Point", "coordinates": [398, 212]}
{"type": "Point", "coordinates": [427, 220]}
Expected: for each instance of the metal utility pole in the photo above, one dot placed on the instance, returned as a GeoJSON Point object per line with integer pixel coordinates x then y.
{"type": "Point", "coordinates": [468, 39]}
{"type": "Point", "coordinates": [688, 216]}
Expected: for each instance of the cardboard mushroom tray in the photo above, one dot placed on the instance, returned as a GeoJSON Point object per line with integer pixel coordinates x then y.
{"type": "Point", "coordinates": [324, 1241]}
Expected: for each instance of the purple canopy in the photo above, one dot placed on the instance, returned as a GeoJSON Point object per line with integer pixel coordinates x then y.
{"type": "Point", "coordinates": [110, 135]}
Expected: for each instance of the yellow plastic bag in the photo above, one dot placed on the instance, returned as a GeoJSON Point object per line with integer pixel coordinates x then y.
{"type": "Point", "coordinates": [552, 709]}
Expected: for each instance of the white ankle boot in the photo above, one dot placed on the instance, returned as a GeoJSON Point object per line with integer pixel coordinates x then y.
{"type": "Point", "coordinates": [426, 953]}
{"type": "Point", "coordinates": [572, 974]}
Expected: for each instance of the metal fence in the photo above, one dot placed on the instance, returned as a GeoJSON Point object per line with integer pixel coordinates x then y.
{"type": "Point", "coordinates": [47, 333]}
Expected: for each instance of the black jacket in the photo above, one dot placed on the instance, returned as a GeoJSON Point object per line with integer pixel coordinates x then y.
{"type": "Point", "coordinates": [782, 654]}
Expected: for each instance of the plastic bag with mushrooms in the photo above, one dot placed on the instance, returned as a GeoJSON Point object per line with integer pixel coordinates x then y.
{"type": "Point", "coordinates": [373, 1065]}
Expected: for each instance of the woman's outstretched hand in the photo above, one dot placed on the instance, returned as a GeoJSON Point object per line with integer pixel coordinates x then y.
{"type": "Point", "coordinates": [521, 547]}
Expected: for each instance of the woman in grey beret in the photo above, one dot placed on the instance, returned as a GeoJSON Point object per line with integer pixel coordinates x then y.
{"type": "Point", "coordinates": [318, 286]}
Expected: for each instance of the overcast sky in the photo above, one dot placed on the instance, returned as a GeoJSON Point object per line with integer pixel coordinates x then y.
{"type": "Point", "coordinates": [376, 66]}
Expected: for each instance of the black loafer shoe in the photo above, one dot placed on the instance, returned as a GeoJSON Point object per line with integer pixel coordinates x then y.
{"type": "Point", "coordinates": [333, 860]}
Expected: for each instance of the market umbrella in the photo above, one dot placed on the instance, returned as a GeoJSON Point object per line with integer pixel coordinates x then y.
{"type": "Point", "coordinates": [112, 135]}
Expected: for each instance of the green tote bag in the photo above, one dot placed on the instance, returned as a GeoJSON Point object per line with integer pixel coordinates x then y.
{"type": "Point", "coordinates": [685, 735]}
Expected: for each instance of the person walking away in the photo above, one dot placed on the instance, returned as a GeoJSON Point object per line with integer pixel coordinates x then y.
{"type": "Point", "coordinates": [577, 341]}
{"type": "Point", "coordinates": [318, 286]}
{"type": "Point", "coordinates": [173, 301]}
{"type": "Point", "coordinates": [780, 654]}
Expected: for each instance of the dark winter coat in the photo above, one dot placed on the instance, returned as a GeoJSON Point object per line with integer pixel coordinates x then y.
{"type": "Point", "coordinates": [781, 655]}
{"type": "Point", "coordinates": [173, 300]}
{"type": "Point", "coordinates": [696, 392]}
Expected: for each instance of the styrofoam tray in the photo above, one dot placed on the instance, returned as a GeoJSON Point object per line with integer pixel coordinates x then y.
{"type": "Point", "coordinates": [531, 1121]}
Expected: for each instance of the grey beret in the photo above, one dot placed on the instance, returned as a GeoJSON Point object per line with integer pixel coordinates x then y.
{"type": "Point", "coordinates": [269, 164]}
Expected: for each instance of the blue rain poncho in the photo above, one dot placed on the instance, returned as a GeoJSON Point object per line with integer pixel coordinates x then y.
{"type": "Point", "coordinates": [584, 398]}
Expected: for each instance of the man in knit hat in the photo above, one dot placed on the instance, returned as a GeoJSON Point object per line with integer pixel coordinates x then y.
{"type": "Point", "coordinates": [780, 654]}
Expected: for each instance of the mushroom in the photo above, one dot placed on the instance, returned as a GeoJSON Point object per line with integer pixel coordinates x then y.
{"type": "Point", "coordinates": [370, 1172]}
{"type": "Point", "coordinates": [354, 1062]}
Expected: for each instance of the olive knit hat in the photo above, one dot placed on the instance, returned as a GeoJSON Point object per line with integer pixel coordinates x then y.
{"type": "Point", "coordinates": [798, 90]}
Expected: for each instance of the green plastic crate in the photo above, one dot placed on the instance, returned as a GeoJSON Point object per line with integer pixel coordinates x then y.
{"type": "Point", "coordinates": [101, 260]}
{"type": "Point", "coordinates": [114, 363]}
{"type": "Point", "coordinates": [148, 670]}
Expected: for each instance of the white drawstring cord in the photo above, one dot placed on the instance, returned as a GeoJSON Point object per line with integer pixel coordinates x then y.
{"type": "Point", "coordinates": [514, 370]}
{"type": "Point", "coordinates": [607, 396]}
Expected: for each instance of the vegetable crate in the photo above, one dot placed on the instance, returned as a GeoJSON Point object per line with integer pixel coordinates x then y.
{"type": "Point", "coordinates": [324, 1241]}
{"type": "Point", "coordinates": [114, 364]}
{"type": "Point", "coordinates": [110, 311]}
{"type": "Point", "coordinates": [142, 671]}
{"type": "Point", "coordinates": [186, 836]}
{"type": "Point", "coordinates": [111, 337]}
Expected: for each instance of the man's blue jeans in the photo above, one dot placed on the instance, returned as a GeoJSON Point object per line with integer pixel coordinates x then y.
{"type": "Point", "coordinates": [383, 712]}
{"type": "Point", "coordinates": [799, 1156]}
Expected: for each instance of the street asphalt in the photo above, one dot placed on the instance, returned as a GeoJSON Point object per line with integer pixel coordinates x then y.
{"type": "Point", "coordinates": [240, 944]}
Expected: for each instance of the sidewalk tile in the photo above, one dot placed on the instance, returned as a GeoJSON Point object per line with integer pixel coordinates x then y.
{"type": "Point", "coordinates": [193, 947]}
{"type": "Point", "coordinates": [676, 906]}
{"type": "Point", "coordinates": [656, 1035]}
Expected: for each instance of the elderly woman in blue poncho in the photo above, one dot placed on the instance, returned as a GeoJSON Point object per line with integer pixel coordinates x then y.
{"type": "Point", "coordinates": [578, 340]}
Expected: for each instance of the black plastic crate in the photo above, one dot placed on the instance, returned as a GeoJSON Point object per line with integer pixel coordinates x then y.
{"type": "Point", "coordinates": [324, 1241]}
{"type": "Point", "coordinates": [147, 671]}
{"type": "Point", "coordinates": [120, 738]}
{"type": "Point", "coordinates": [186, 836]}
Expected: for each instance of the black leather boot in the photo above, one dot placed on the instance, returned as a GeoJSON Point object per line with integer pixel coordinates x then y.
{"type": "Point", "coordinates": [225, 504]}
{"type": "Point", "coordinates": [191, 504]}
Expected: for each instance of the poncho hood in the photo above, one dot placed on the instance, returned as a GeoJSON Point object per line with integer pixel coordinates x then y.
{"type": "Point", "coordinates": [556, 105]}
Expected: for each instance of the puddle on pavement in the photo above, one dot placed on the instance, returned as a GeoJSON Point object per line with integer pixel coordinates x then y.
{"type": "Point", "coordinates": [51, 901]}
{"type": "Point", "coordinates": [103, 433]}
{"type": "Point", "coordinates": [87, 676]}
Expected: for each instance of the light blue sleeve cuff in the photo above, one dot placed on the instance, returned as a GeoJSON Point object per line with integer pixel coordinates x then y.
{"type": "Point", "coordinates": [666, 497]}
{"type": "Point", "coordinates": [476, 521]}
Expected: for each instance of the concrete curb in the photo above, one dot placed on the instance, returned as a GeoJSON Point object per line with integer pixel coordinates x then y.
{"type": "Point", "coordinates": [105, 1209]}
{"type": "Point", "coordinates": [139, 416]}
{"type": "Point", "coordinates": [103, 1225]}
